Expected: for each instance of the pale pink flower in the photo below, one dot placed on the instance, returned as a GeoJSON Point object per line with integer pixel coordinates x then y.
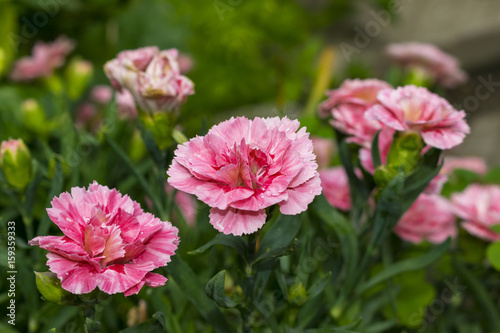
{"type": "Point", "coordinates": [125, 105]}
{"type": "Point", "coordinates": [185, 63]}
{"type": "Point", "coordinates": [443, 68]}
{"type": "Point", "coordinates": [243, 166]}
{"type": "Point", "coordinates": [324, 150]}
{"type": "Point", "coordinates": [347, 106]}
{"type": "Point", "coordinates": [335, 186]}
{"type": "Point", "coordinates": [101, 94]}
{"type": "Point", "coordinates": [152, 77]}
{"type": "Point", "coordinates": [430, 218]}
{"type": "Point", "coordinates": [45, 58]}
{"type": "Point", "coordinates": [109, 242]}
{"type": "Point", "coordinates": [479, 208]}
{"type": "Point", "coordinates": [416, 109]}
{"type": "Point", "coordinates": [470, 163]}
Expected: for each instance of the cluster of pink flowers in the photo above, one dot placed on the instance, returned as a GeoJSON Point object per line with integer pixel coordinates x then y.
{"type": "Point", "coordinates": [152, 77]}
{"type": "Point", "coordinates": [45, 58]}
{"type": "Point", "coordinates": [109, 242]}
{"type": "Point", "coordinates": [441, 67]}
{"type": "Point", "coordinates": [243, 166]}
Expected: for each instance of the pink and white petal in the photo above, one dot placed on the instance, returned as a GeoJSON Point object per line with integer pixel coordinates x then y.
{"type": "Point", "coordinates": [260, 200]}
{"type": "Point", "coordinates": [236, 221]}
{"type": "Point", "coordinates": [384, 115]}
{"type": "Point", "coordinates": [151, 280]}
{"type": "Point", "coordinates": [300, 197]}
{"type": "Point", "coordinates": [119, 278]}
{"type": "Point", "coordinates": [160, 247]}
{"type": "Point", "coordinates": [76, 277]}
{"type": "Point", "coordinates": [61, 245]}
{"type": "Point", "coordinates": [443, 138]}
{"type": "Point", "coordinates": [220, 196]}
{"type": "Point", "coordinates": [182, 179]}
{"type": "Point", "coordinates": [481, 231]}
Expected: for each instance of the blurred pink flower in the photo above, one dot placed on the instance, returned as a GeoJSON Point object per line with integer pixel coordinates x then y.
{"type": "Point", "coordinates": [243, 166]}
{"type": "Point", "coordinates": [443, 68]}
{"type": "Point", "coordinates": [335, 186]}
{"type": "Point", "coordinates": [436, 184]}
{"type": "Point", "coordinates": [430, 218]}
{"type": "Point", "coordinates": [125, 105]}
{"type": "Point", "coordinates": [471, 163]}
{"type": "Point", "coordinates": [45, 58]}
{"type": "Point", "coordinates": [86, 115]}
{"type": "Point", "coordinates": [324, 150]}
{"type": "Point", "coordinates": [109, 242]}
{"type": "Point", "coordinates": [185, 63]}
{"type": "Point", "coordinates": [348, 104]}
{"type": "Point", "coordinates": [101, 94]}
{"type": "Point", "coordinates": [412, 108]}
{"type": "Point", "coordinates": [479, 208]}
{"type": "Point", "coordinates": [152, 77]}
{"type": "Point", "coordinates": [187, 204]}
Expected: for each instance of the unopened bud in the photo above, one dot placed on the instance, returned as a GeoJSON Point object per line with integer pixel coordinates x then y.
{"type": "Point", "coordinates": [78, 75]}
{"type": "Point", "coordinates": [50, 287]}
{"type": "Point", "coordinates": [15, 162]}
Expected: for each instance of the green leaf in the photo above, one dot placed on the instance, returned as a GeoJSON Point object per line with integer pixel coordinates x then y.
{"type": "Point", "coordinates": [278, 252]}
{"type": "Point", "coordinates": [194, 291]}
{"type": "Point", "coordinates": [234, 242]}
{"type": "Point", "coordinates": [493, 255]}
{"type": "Point", "coordinates": [375, 151]}
{"type": "Point", "coordinates": [215, 290]}
{"type": "Point", "coordinates": [344, 231]}
{"type": "Point", "coordinates": [405, 266]}
{"type": "Point", "coordinates": [55, 188]}
{"type": "Point", "coordinates": [153, 325]}
{"type": "Point", "coordinates": [92, 326]}
{"type": "Point", "coordinates": [319, 285]}
{"type": "Point", "coordinates": [279, 237]}
{"type": "Point", "coordinates": [495, 228]}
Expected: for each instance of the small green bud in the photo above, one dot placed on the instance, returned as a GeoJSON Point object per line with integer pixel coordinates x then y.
{"type": "Point", "coordinates": [137, 148]}
{"type": "Point", "coordinates": [406, 151]}
{"type": "Point", "coordinates": [15, 162]}
{"type": "Point", "coordinates": [297, 294]}
{"type": "Point", "coordinates": [50, 287]}
{"type": "Point", "coordinates": [3, 60]}
{"type": "Point", "coordinates": [34, 117]}
{"type": "Point", "coordinates": [78, 75]}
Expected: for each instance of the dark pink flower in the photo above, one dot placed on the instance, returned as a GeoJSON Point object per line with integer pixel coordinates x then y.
{"type": "Point", "coordinates": [109, 242]}
{"type": "Point", "coordinates": [152, 76]}
{"type": "Point", "coordinates": [430, 218]}
{"type": "Point", "coordinates": [45, 58]}
{"type": "Point", "coordinates": [443, 68]}
{"type": "Point", "coordinates": [335, 186]}
{"type": "Point", "coordinates": [347, 106]}
{"type": "Point", "coordinates": [416, 109]}
{"type": "Point", "coordinates": [243, 166]}
{"type": "Point", "coordinates": [479, 208]}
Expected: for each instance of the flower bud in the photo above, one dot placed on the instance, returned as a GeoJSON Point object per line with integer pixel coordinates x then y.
{"type": "Point", "coordinates": [34, 117]}
{"type": "Point", "coordinates": [50, 287]}
{"type": "Point", "coordinates": [15, 162]}
{"type": "Point", "coordinates": [78, 75]}
{"type": "Point", "coordinates": [161, 126]}
{"type": "Point", "coordinates": [3, 60]}
{"type": "Point", "coordinates": [297, 294]}
{"type": "Point", "coordinates": [405, 151]}
{"type": "Point", "coordinates": [137, 148]}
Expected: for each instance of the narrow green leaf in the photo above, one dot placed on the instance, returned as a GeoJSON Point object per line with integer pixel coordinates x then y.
{"type": "Point", "coordinates": [215, 290]}
{"type": "Point", "coordinates": [319, 285]}
{"type": "Point", "coordinates": [493, 255]}
{"type": "Point", "coordinates": [234, 242]}
{"type": "Point", "coordinates": [281, 234]}
{"type": "Point", "coordinates": [278, 252]}
{"type": "Point", "coordinates": [405, 266]}
{"type": "Point", "coordinates": [376, 151]}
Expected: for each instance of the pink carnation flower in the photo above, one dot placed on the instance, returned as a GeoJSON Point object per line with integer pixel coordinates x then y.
{"type": "Point", "coordinates": [109, 242]}
{"type": "Point", "coordinates": [348, 104]}
{"type": "Point", "coordinates": [443, 68]}
{"type": "Point", "coordinates": [152, 76]}
{"type": "Point", "coordinates": [479, 207]}
{"type": "Point", "coordinates": [416, 109]}
{"type": "Point", "coordinates": [187, 204]}
{"type": "Point", "coordinates": [335, 186]}
{"type": "Point", "coordinates": [45, 58]}
{"type": "Point", "coordinates": [125, 105]}
{"type": "Point", "coordinates": [324, 150]}
{"type": "Point", "coordinates": [470, 163]}
{"type": "Point", "coordinates": [243, 166]}
{"type": "Point", "coordinates": [429, 218]}
{"type": "Point", "coordinates": [101, 94]}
